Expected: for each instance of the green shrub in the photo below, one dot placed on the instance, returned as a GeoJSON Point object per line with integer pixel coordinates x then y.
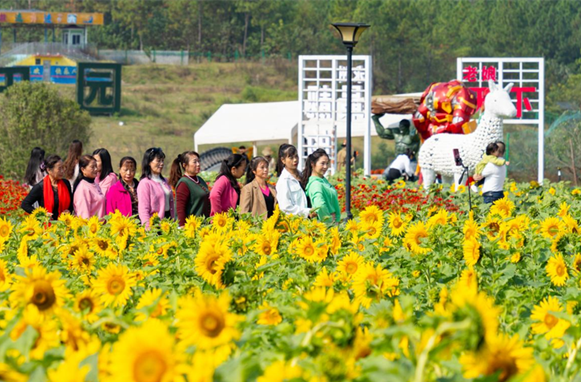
{"type": "Point", "coordinates": [35, 114]}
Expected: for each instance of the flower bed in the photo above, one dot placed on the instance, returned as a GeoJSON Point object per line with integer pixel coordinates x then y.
{"type": "Point", "coordinates": [423, 294]}
{"type": "Point", "coordinates": [11, 195]}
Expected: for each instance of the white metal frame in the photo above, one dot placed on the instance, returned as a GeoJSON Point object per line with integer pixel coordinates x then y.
{"type": "Point", "coordinates": [499, 63]}
{"type": "Point", "coordinates": [319, 125]}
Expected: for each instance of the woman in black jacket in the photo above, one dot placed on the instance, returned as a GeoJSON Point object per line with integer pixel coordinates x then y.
{"type": "Point", "coordinates": [53, 192]}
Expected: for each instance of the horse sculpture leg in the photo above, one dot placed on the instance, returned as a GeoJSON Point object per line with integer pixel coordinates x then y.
{"type": "Point", "coordinates": [429, 177]}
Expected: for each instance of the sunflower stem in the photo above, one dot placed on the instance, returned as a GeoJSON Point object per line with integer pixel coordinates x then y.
{"type": "Point", "coordinates": [443, 328]}
{"type": "Point", "coordinates": [572, 356]}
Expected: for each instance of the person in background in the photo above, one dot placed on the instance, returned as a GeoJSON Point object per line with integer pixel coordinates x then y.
{"type": "Point", "coordinates": [290, 194]}
{"type": "Point", "coordinates": [257, 196]}
{"type": "Point", "coordinates": [72, 160]}
{"type": "Point", "coordinates": [494, 177]}
{"type": "Point", "coordinates": [106, 177]}
{"type": "Point", "coordinates": [122, 196]}
{"type": "Point", "coordinates": [267, 153]}
{"type": "Point", "coordinates": [89, 200]}
{"type": "Point", "coordinates": [226, 191]}
{"type": "Point", "coordinates": [401, 166]}
{"type": "Point", "coordinates": [323, 195]}
{"type": "Point", "coordinates": [342, 157]}
{"type": "Point", "coordinates": [489, 157]}
{"type": "Point", "coordinates": [192, 192]}
{"type": "Point", "coordinates": [153, 192]}
{"type": "Point", "coordinates": [52, 192]}
{"type": "Point", "coordinates": [35, 171]}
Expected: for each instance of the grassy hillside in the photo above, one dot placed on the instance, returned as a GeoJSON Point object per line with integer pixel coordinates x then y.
{"type": "Point", "coordinates": [163, 106]}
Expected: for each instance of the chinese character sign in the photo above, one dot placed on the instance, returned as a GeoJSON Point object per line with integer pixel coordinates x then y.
{"type": "Point", "coordinates": [99, 87]}
{"type": "Point", "coordinates": [525, 77]}
{"type": "Point", "coordinates": [323, 98]}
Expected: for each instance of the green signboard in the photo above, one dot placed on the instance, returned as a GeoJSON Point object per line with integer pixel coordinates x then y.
{"type": "Point", "coordinates": [99, 87]}
{"type": "Point", "coordinates": [9, 75]}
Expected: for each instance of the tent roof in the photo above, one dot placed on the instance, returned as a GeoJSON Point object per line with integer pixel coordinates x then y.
{"type": "Point", "coordinates": [268, 123]}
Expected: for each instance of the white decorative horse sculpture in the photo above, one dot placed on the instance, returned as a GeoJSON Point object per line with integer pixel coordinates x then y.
{"type": "Point", "coordinates": [436, 155]}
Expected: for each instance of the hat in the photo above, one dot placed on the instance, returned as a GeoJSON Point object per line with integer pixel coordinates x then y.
{"type": "Point", "coordinates": [267, 151]}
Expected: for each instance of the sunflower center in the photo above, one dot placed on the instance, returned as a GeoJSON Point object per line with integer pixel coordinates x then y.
{"type": "Point", "coordinates": [103, 244]}
{"type": "Point", "coordinates": [43, 296]}
{"type": "Point", "coordinates": [4, 231]}
{"type": "Point", "coordinates": [212, 324]}
{"type": "Point", "coordinates": [266, 248]}
{"type": "Point", "coordinates": [115, 285]}
{"type": "Point", "coordinates": [210, 263]}
{"type": "Point", "coordinates": [351, 268]}
{"type": "Point", "coordinates": [2, 276]}
{"type": "Point", "coordinates": [94, 228]}
{"type": "Point", "coordinates": [397, 223]}
{"type": "Point", "coordinates": [551, 320]}
{"type": "Point", "coordinates": [553, 230]}
{"type": "Point", "coordinates": [86, 303]}
{"type": "Point", "coordinates": [560, 270]}
{"type": "Point", "coordinates": [309, 250]}
{"type": "Point", "coordinates": [85, 261]}
{"type": "Point", "coordinates": [149, 366]}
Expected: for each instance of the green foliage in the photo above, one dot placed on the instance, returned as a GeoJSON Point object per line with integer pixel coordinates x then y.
{"type": "Point", "coordinates": [34, 114]}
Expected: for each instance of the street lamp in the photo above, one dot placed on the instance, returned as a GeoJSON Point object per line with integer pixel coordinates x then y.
{"type": "Point", "coordinates": [350, 33]}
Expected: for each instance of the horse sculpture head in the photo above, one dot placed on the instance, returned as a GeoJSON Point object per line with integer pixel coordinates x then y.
{"type": "Point", "coordinates": [498, 103]}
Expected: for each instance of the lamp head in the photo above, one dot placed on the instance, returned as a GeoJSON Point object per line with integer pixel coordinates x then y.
{"type": "Point", "coordinates": [350, 32]}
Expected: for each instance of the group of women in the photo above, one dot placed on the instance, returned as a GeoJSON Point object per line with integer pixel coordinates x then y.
{"type": "Point", "coordinates": [87, 186]}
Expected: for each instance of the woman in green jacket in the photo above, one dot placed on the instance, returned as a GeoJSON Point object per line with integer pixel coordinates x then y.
{"type": "Point", "coordinates": [321, 193]}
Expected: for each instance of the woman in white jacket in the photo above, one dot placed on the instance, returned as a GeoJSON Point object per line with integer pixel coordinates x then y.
{"type": "Point", "coordinates": [290, 194]}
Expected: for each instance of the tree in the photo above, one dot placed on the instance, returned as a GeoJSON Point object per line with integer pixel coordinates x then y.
{"type": "Point", "coordinates": [564, 146]}
{"type": "Point", "coordinates": [35, 114]}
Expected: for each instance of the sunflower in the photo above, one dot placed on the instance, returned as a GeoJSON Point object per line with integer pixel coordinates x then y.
{"type": "Point", "coordinates": [372, 230]}
{"type": "Point", "coordinates": [468, 278]}
{"type": "Point", "coordinates": [350, 264]}
{"type": "Point", "coordinates": [306, 249]}
{"type": "Point", "coordinates": [467, 301]}
{"type": "Point", "coordinates": [571, 223]}
{"type": "Point", "coordinates": [492, 227]}
{"type": "Point", "coordinates": [69, 250]}
{"type": "Point", "coordinates": [471, 252]}
{"type": "Point", "coordinates": [40, 213]}
{"type": "Point", "coordinates": [440, 218]}
{"type": "Point", "coordinates": [371, 283]}
{"type": "Point", "coordinates": [502, 207]}
{"type": "Point", "coordinates": [83, 260]}
{"type": "Point", "coordinates": [471, 229]}
{"type": "Point", "coordinates": [114, 285]}
{"type": "Point", "coordinates": [30, 228]}
{"type": "Point", "coordinates": [8, 374]}
{"type": "Point", "coordinates": [557, 270]}
{"type": "Point", "coordinates": [204, 321]}
{"type": "Point", "coordinates": [280, 371]}
{"type": "Point", "coordinates": [352, 226]}
{"type": "Point", "coordinates": [548, 324]}
{"type": "Point", "coordinates": [397, 224]}
{"type": "Point", "coordinates": [268, 315]}
{"type": "Point", "coordinates": [371, 215]}
{"type": "Point", "coordinates": [145, 354]}
{"type": "Point", "coordinates": [192, 225]}
{"type": "Point", "coordinates": [414, 238]}
{"type": "Point", "coordinates": [335, 244]}
{"type": "Point", "coordinates": [324, 279]}
{"type": "Point", "coordinates": [515, 257]}
{"type": "Point", "coordinates": [93, 226]}
{"type": "Point", "coordinates": [576, 264]}
{"type": "Point", "coordinates": [104, 247]}
{"type": "Point", "coordinates": [46, 291]}
{"type": "Point", "coordinates": [502, 355]}
{"type": "Point", "coordinates": [46, 331]}
{"type": "Point", "coordinates": [88, 304]}
{"type": "Point", "coordinates": [551, 227]}
{"type": "Point", "coordinates": [210, 261]}
{"type": "Point", "coordinates": [221, 221]}
{"type": "Point", "coordinates": [267, 243]}
{"type": "Point", "coordinates": [70, 369]}
{"type": "Point", "coordinates": [122, 225]}
{"type": "Point", "coordinates": [5, 229]}
{"type": "Point", "coordinates": [155, 302]}
{"type": "Point", "coordinates": [5, 277]}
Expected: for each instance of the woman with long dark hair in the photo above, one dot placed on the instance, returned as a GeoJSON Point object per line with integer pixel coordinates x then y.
{"type": "Point", "coordinates": [153, 191]}
{"type": "Point", "coordinates": [122, 196]}
{"type": "Point", "coordinates": [257, 196]}
{"type": "Point", "coordinates": [72, 161]}
{"type": "Point", "coordinates": [35, 171]}
{"type": "Point", "coordinates": [322, 194]}
{"type": "Point", "coordinates": [52, 192]}
{"type": "Point", "coordinates": [106, 177]}
{"type": "Point", "coordinates": [192, 192]}
{"type": "Point", "coordinates": [89, 200]}
{"type": "Point", "coordinates": [290, 194]}
{"type": "Point", "coordinates": [226, 192]}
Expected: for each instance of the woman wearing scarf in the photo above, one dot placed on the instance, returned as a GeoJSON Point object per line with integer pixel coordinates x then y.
{"type": "Point", "coordinates": [53, 192]}
{"type": "Point", "coordinates": [89, 200]}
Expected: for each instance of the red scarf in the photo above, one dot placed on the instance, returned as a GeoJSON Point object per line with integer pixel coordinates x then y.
{"type": "Point", "coordinates": [48, 194]}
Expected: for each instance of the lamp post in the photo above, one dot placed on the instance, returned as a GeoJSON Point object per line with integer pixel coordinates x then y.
{"type": "Point", "coordinates": [350, 33]}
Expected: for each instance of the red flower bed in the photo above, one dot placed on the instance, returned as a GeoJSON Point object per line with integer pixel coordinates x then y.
{"type": "Point", "coordinates": [393, 198]}
{"type": "Point", "coordinates": [11, 195]}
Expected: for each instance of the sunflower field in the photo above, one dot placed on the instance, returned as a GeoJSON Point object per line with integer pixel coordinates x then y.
{"type": "Point", "coordinates": [429, 293]}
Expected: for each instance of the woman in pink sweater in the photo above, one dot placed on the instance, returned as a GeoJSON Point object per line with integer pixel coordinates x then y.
{"type": "Point", "coordinates": [153, 192]}
{"type": "Point", "coordinates": [106, 177]}
{"type": "Point", "coordinates": [226, 191]}
{"type": "Point", "coordinates": [88, 199]}
{"type": "Point", "coordinates": [122, 195]}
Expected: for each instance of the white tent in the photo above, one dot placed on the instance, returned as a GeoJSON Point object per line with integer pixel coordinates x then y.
{"type": "Point", "coordinates": [267, 123]}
